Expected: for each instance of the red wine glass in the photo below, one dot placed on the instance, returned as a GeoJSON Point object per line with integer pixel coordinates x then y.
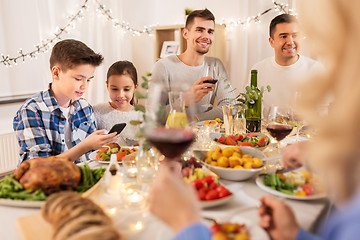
{"type": "Point", "coordinates": [172, 142]}
{"type": "Point", "coordinates": [279, 123]}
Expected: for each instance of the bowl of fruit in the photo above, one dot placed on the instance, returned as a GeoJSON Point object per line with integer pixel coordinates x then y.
{"type": "Point", "coordinates": [256, 140]}
{"type": "Point", "coordinates": [233, 163]}
{"type": "Point", "coordinates": [209, 190]}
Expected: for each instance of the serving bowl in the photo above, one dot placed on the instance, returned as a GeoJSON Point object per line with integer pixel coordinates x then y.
{"type": "Point", "coordinates": [234, 174]}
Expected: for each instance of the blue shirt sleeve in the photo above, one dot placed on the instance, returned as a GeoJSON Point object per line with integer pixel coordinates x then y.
{"type": "Point", "coordinates": [303, 235]}
{"type": "Point", "coordinates": [195, 231]}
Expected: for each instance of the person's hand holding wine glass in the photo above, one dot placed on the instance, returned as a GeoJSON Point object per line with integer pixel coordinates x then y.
{"type": "Point", "coordinates": [169, 131]}
{"type": "Point", "coordinates": [279, 122]}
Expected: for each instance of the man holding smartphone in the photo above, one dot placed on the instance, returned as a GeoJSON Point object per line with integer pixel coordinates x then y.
{"type": "Point", "coordinates": [191, 66]}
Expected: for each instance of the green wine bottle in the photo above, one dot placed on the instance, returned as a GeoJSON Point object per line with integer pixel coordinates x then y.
{"type": "Point", "coordinates": [253, 111]}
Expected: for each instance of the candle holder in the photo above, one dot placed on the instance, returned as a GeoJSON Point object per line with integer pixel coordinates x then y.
{"type": "Point", "coordinates": [129, 168]}
{"type": "Point", "coordinates": [135, 195]}
{"type": "Point", "coordinates": [147, 162]}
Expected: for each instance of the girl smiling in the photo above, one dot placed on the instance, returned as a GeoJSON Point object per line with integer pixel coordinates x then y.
{"type": "Point", "coordinates": [121, 84]}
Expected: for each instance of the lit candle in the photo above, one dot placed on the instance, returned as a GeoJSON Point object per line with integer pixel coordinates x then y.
{"type": "Point", "coordinates": [135, 197]}
{"type": "Point", "coordinates": [138, 226]}
{"type": "Point", "coordinates": [132, 172]}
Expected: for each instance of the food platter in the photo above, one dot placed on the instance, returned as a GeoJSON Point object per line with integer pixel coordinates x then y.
{"type": "Point", "coordinates": [316, 196]}
{"type": "Point", "coordinates": [39, 204]}
{"type": "Point", "coordinates": [215, 135]}
{"type": "Point", "coordinates": [255, 231]}
{"type": "Point", "coordinates": [92, 155]}
{"type": "Point", "coordinates": [21, 203]}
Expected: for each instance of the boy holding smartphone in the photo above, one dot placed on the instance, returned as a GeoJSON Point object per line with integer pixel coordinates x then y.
{"type": "Point", "coordinates": [59, 122]}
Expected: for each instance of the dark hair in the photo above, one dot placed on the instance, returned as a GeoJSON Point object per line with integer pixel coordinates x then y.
{"type": "Point", "coordinates": [205, 14]}
{"type": "Point", "coordinates": [283, 18]}
{"type": "Point", "coordinates": [68, 53]}
{"type": "Point", "coordinates": [122, 68]}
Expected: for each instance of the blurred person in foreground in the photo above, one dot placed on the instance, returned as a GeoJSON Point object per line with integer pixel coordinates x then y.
{"type": "Point", "coordinates": [334, 154]}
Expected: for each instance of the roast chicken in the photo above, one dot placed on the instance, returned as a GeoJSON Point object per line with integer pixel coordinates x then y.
{"type": "Point", "coordinates": [51, 174]}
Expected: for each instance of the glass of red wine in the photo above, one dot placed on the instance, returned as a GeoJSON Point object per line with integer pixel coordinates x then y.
{"type": "Point", "coordinates": [279, 123]}
{"type": "Point", "coordinates": [171, 141]}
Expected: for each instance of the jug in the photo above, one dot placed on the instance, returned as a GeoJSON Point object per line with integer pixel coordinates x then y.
{"type": "Point", "coordinates": [177, 117]}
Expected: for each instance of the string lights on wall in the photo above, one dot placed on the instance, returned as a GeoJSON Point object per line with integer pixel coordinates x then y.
{"type": "Point", "coordinates": [46, 44]}
{"type": "Point", "coordinates": [277, 7]}
{"type": "Point", "coordinates": [121, 24]}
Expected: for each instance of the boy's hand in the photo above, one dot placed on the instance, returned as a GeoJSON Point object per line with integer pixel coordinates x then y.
{"type": "Point", "coordinates": [199, 90]}
{"type": "Point", "coordinates": [98, 139]}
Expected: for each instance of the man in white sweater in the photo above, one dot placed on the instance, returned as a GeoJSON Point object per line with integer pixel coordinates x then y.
{"type": "Point", "coordinates": [284, 71]}
{"type": "Point", "coordinates": [190, 68]}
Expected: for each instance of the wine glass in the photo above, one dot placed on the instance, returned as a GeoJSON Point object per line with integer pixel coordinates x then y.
{"type": "Point", "coordinates": [171, 139]}
{"type": "Point", "coordinates": [279, 123]}
{"type": "Point", "coordinates": [213, 72]}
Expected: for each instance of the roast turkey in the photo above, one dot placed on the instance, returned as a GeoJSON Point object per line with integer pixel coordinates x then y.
{"type": "Point", "coordinates": [51, 174]}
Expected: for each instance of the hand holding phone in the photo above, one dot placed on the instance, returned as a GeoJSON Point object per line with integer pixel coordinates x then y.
{"type": "Point", "coordinates": [118, 128]}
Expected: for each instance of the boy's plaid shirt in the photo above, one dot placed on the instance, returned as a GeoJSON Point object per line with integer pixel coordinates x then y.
{"type": "Point", "coordinates": [39, 125]}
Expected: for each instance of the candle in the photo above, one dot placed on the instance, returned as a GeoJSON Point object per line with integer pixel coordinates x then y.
{"type": "Point", "coordinates": [132, 172]}
{"type": "Point", "coordinates": [135, 197]}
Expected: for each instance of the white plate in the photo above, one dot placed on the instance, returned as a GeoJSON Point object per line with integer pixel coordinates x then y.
{"type": "Point", "coordinates": [21, 203]}
{"type": "Point", "coordinates": [216, 202]}
{"type": "Point", "coordinates": [259, 182]}
{"type": "Point", "coordinates": [202, 123]}
{"type": "Point", "coordinates": [92, 155]}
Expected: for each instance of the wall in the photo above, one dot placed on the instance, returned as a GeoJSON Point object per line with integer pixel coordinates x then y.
{"type": "Point", "coordinates": [244, 47]}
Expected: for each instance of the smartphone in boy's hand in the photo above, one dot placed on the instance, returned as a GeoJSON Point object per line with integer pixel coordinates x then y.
{"type": "Point", "coordinates": [118, 128]}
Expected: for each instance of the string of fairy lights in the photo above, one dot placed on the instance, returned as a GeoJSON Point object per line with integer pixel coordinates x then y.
{"type": "Point", "coordinates": [102, 10]}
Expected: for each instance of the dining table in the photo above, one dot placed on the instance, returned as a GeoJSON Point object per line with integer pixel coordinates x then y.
{"type": "Point", "coordinates": [140, 224]}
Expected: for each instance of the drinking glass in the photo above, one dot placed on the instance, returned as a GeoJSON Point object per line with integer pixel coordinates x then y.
{"type": "Point", "coordinates": [172, 140]}
{"type": "Point", "coordinates": [239, 121]}
{"type": "Point", "coordinates": [279, 123]}
{"type": "Point", "coordinates": [213, 72]}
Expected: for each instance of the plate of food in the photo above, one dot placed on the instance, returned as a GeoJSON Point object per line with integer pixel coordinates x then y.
{"type": "Point", "coordinates": [215, 122]}
{"type": "Point", "coordinates": [236, 227]}
{"type": "Point", "coordinates": [103, 154]}
{"type": "Point", "coordinates": [209, 190]}
{"type": "Point", "coordinates": [298, 185]}
{"type": "Point", "coordinates": [256, 140]}
{"type": "Point", "coordinates": [30, 185]}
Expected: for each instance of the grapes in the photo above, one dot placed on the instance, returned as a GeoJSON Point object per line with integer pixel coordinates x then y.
{"type": "Point", "coordinates": [193, 162]}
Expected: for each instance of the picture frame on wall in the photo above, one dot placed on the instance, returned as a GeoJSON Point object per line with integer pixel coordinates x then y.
{"type": "Point", "coordinates": [170, 48]}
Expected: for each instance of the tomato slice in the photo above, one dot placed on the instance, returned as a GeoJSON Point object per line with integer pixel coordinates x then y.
{"type": "Point", "coordinates": [230, 141]}
{"type": "Point", "coordinates": [222, 140]}
{"type": "Point", "coordinates": [246, 144]}
{"type": "Point", "coordinates": [120, 155]}
{"type": "Point", "coordinates": [308, 189]}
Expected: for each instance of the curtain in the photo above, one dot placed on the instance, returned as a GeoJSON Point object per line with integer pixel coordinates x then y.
{"type": "Point", "coordinates": [23, 27]}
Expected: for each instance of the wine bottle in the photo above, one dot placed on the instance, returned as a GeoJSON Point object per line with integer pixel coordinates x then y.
{"type": "Point", "coordinates": [253, 111]}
